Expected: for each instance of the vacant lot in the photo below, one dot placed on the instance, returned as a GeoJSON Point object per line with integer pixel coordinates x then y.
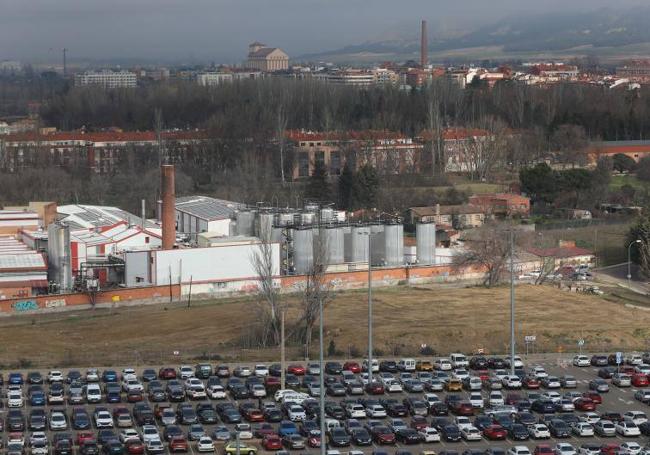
{"type": "Point", "coordinates": [443, 318]}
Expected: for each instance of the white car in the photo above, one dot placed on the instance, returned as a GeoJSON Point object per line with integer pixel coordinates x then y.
{"type": "Point", "coordinates": [245, 431]}
{"type": "Point", "coordinates": [511, 382]}
{"type": "Point", "coordinates": [129, 434]}
{"type": "Point", "coordinates": [129, 374]}
{"type": "Point", "coordinates": [519, 450]}
{"type": "Point", "coordinates": [539, 372]}
{"type": "Point", "coordinates": [58, 421]}
{"type": "Point", "coordinates": [375, 365]}
{"type": "Point", "coordinates": [393, 386]}
{"type": "Point", "coordinates": [582, 429]}
{"type": "Point", "coordinates": [150, 432]}
{"type": "Point", "coordinates": [519, 363]}
{"type": "Point", "coordinates": [216, 392]}
{"type": "Point", "coordinates": [197, 392]}
{"type": "Point", "coordinates": [539, 431]}
{"type": "Point", "coordinates": [103, 419]}
{"type": "Point", "coordinates": [634, 359]}
{"type": "Point", "coordinates": [500, 373]}
{"type": "Point", "coordinates": [258, 390]}
{"type": "Point", "coordinates": [92, 375]}
{"type": "Point", "coordinates": [355, 411]}
{"type": "Point", "coordinates": [566, 405]}
{"type": "Point", "coordinates": [205, 444]}
{"type": "Point", "coordinates": [474, 383]}
{"type": "Point", "coordinates": [590, 417]}
{"type": "Point", "coordinates": [39, 448]}
{"type": "Point", "coordinates": [495, 398]}
{"type": "Point", "coordinates": [637, 417]}
{"type": "Point", "coordinates": [54, 376]}
{"type": "Point", "coordinates": [242, 371]}
{"type": "Point", "coordinates": [552, 382]}
{"type": "Point", "coordinates": [470, 433]}
{"type": "Point", "coordinates": [643, 369]}
{"type": "Point", "coordinates": [375, 411]}
{"type": "Point", "coordinates": [476, 399]}
{"type": "Point", "coordinates": [93, 393]}
{"type": "Point", "coordinates": [155, 446]}
{"type": "Point", "coordinates": [15, 399]}
{"type": "Point", "coordinates": [605, 428]}
{"type": "Point", "coordinates": [621, 380]}
{"type": "Point", "coordinates": [431, 399]}
{"type": "Point", "coordinates": [260, 370]}
{"type": "Point", "coordinates": [627, 428]}
{"type": "Point", "coordinates": [442, 364]}
{"type": "Point", "coordinates": [630, 448]}
{"type": "Point", "coordinates": [186, 372]}
{"type": "Point", "coordinates": [297, 413]}
{"type": "Point", "coordinates": [581, 361]}
{"type": "Point", "coordinates": [564, 448]}
{"type": "Point", "coordinates": [555, 397]}
{"type": "Point", "coordinates": [461, 374]}
{"type": "Point", "coordinates": [132, 385]}
{"type": "Point", "coordinates": [313, 369]}
{"type": "Point", "coordinates": [38, 436]}
{"type": "Point", "coordinates": [462, 422]}
{"type": "Point", "coordinates": [430, 434]}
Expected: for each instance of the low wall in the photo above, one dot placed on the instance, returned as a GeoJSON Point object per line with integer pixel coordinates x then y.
{"type": "Point", "coordinates": [117, 297]}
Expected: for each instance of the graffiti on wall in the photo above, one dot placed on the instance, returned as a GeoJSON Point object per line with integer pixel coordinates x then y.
{"type": "Point", "coordinates": [55, 303]}
{"type": "Point", "coordinates": [25, 305]}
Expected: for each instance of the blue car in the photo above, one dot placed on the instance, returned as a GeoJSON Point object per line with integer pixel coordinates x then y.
{"type": "Point", "coordinates": [113, 397]}
{"type": "Point", "coordinates": [16, 378]}
{"type": "Point", "coordinates": [287, 427]}
{"type": "Point", "coordinates": [37, 399]}
{"type": "Point", "coordinates": [109, 376]}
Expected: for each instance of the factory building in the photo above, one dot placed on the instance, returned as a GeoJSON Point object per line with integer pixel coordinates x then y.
{"type": "Point", "coordinates": [23, 271]}
{"type": "Point", "coordinates": [197, 214]}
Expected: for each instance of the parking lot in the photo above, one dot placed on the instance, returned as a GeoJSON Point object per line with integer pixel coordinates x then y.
{"type": "Point", "coordinates": [618, 399]}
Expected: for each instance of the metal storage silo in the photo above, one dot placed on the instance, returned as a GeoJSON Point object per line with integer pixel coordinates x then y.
{"type": "Point", "coordinates": [356, 244]}
{"type": "Point", "coordinates": [307, 218]}
{"type": "Point", "coordinates": [425, 240]}
{"type": "Point", "coordinates": [377, 245]}
{"type": "Point", "coordinates": [286, 219]}
{"type": "Point", "coordinates": [394, 244]}
{"type": "Point", "coordinates": [277, 234]}
{"type": "Point", "coordinates": [335, 244]}
{"type": "Point", "coordinates": [303, 250]}
{"type": "Point", "coordinates": [264, 225]}
{"type": "Point", "coordinates": [327, 215]}
{"type": "Point", "coordinates": [245, 223]}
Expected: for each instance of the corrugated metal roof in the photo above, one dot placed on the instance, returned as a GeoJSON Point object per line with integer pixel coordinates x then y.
{"type": "Point", "coordinates": [21, 261]}
{"type": "Point", "coordinates": [207, 208]}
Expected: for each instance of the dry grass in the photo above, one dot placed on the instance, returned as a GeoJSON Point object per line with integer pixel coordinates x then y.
{"type": "Point", "coordinates": [444, 318]}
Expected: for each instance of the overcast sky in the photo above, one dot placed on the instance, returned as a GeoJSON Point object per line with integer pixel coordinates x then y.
{"type": "Point", "coordinates": [220, 30]}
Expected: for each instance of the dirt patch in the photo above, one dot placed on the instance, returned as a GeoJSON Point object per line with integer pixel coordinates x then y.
{"type": "Point", "coordinates": [444, 319]}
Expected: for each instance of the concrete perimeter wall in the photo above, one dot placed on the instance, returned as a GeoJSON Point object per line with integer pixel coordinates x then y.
{"type": "Point", "coordinates": [215, 289]}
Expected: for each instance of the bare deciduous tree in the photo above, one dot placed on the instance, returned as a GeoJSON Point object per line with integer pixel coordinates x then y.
{"type": "Point", "coordinates": [269, 304]}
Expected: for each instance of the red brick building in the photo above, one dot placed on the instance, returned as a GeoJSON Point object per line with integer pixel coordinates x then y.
{"type": "Point", "coordinates": [502, 204]}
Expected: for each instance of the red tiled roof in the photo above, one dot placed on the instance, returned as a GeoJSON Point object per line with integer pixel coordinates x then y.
{"type": "Point", "coordinates": [560, 252]}
{"type": "Point", "coordinates": [343, 135]}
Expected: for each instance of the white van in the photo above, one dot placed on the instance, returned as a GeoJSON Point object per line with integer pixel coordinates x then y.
{"type": "Point", "coordinates": [406, 365]}
{"type": "Point", "coordinates": [458, 360]}
{"type": "Point", "coordinates": [93, 393]}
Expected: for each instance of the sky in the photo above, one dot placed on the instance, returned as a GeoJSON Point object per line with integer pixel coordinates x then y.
{"type": "Point", "coordinates": [220, 30]}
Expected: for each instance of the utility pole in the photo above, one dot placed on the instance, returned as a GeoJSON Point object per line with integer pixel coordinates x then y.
{"type": "Point", "coordinates": [65, 65]}
{"type": "Point", "coordinates": [282, 354]}
{"type": "Point", "coordinates": [512, 302]}
{"type": "Point", "coordinates": [321, 381]}
{"type": "Point", "coordinates": [369, 310]}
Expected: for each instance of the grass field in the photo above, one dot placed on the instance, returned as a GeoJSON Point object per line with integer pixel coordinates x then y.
{"type": "Point", "coordinates": [619, 180]}
{"type": "Point", "coordinates": [443, 318]}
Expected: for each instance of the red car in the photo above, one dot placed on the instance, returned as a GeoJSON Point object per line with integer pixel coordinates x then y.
{"type": "Point", "coordinates": [584, 404]}
{"type": "Point", "coordinates": [640, 380]}
{"type": "Point", "coordinates": [495, 433]}
{"type": "Point", "coordinates": [593, 396]}
{"type": "Point", "coordinates": [462, 408]}
{"type": "Point", "coordinates": [513, 398]}
{"type": "Point", "coordinates": [418, 423]}
{"type": "Point", "coordinates": [354, 367]}
{"type": "Point", "coordinates": [296, 369]}
{"type": "Point", "coordinates": [85, 436]}
{"type": "Point", "coordinates": [134, 447]}
{"type": "Point", "coordinates": [272, 442]}
{"type": "Point", "coordinates": [263, 430]}
{"type": "Point", "coordinates": [543, 449]}
{"type": "Point", "coordinates": [254, 415]}
{"type": "Point", "coordinates": [609, 449]}
{"type": "Point", "coordinates": [382, 435]}
{"type": "Point", "coordinates": [167, 373]}
{"type": "Point", "coordinates": [313, 440]}
{"type": "Point", "coordinates": [530, 383]}
{"type": "Point", "coordinates": [627, 369]}
{"type": "Point", "coordinates": [483, 375]}
{"type": "Point", "coordinates": [134, 396]}
{"type": "Point", "coordinates": [178, 444]}
{"type": "Point", "coordinates": [375, 388]}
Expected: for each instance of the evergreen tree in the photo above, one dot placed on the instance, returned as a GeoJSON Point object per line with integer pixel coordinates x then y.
{"type": "Point", "coordinates": [367, 187]}
{"type": "Point", "coordinates": [318, 186]}
{"type": "Point", "coordinates": [347, 184]}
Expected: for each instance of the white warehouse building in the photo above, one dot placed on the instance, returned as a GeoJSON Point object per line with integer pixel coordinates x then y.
{"type": "Point", "coordinates": [197, 214]}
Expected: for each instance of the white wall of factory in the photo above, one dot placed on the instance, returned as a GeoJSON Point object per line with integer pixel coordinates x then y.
{"type": "Point", "coordinates": [189, 224]}
{"type": "Point", "coordinates": [204, 266]}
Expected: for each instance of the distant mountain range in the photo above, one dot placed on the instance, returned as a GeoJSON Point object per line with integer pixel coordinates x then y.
{"type": "Point", "coordinates": [605, 32]}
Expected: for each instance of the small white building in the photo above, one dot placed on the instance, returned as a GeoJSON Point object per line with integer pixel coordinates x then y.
{"type": "Point", "coordinates": [107, 79]}
{"type": "Point", "coordinates": [197, 214]}
{"type": "Point", "coordinates": [210, 79]}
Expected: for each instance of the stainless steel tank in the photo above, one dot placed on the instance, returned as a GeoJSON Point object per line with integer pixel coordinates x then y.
{"type": "Point", "coordinates": [394, 244]}
{"type": "Point", "coordinates": [425, 240]}
{"type": "Point", "coordinates": [303, 250]}
{"type": "Point", "coordinates": [356, 244]}
{"type": "Point", "coordinates": [335, 244]}
{"type": "Point", "coordinates": [245, 223]}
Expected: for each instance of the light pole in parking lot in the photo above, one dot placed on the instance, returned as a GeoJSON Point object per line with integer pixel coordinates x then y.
{"type": "Point", "coordinates": [512, 302]}
{"type": "Point", "coordinates": [321, 381]}
{"type": "Point", "coordinates": [369, 234]}
{"type": "Point", "coordinates": [629, 261]}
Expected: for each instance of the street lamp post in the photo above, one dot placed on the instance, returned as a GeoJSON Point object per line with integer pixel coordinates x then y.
{"type": "Point", "coordinates": [369, 312]}
{"type": "Point", "coordinates": [629, 261]}
{"type": "Point", "coordinates": [512, 303]}
{"type": "Point", "coordinates": [321, 382]}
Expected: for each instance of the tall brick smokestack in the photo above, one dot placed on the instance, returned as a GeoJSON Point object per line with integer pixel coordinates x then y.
{"type": "Point", "coordinates": [424, 51]}
{"type": "Point", "coordinates": [168, 190]}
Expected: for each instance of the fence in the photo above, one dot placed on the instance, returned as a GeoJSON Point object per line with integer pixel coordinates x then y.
{"type": "Point", "coordinates": [574, 224]}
